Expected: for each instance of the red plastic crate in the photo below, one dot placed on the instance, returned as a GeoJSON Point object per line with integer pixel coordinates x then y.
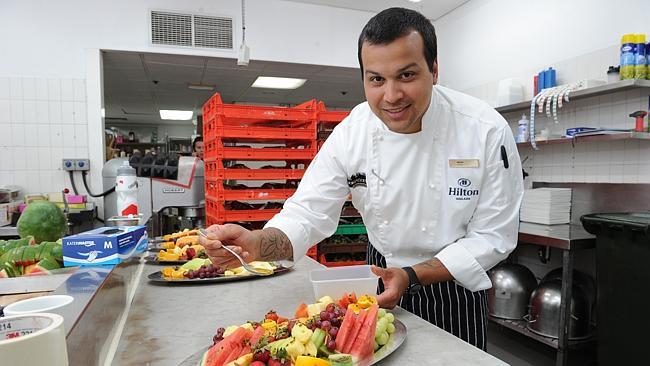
{"type": "Point", "coordinates": [215, 149]}
{"type": "Point", "coordinates": [264, 134]}
{"type": "Point", "coordinates": [216, 214]}
{"type": "Point", "coordinates": [214, 169]}
{"type": "Point", "coordinates": [313, 252]}
{"type": "Point", "coordinates": [215, 188]}
{"type": "Point", "coordinates": [303, 112]}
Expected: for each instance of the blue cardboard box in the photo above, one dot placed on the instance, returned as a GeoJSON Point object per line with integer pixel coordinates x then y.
{"type": "Point", "coordinates": [104, 245]}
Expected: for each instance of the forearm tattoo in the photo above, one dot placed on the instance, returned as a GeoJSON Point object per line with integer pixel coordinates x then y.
{"type": "Point", "coordinates": [274, 245]}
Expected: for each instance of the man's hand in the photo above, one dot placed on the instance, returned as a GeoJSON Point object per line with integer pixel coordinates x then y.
{"type": "Point", "coordinates": [243, 241]}
{"type": "Point", "coordinates": [396, 280]}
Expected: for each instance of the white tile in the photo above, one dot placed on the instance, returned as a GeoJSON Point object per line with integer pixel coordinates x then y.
{"type": "Point", "coordinates": [67, 112]}
{"type": "Point", "coordinates": [5, 134]}
{"type": "Point", "coordinates": [5, 92]}
{"type": "Point", "coordinates": [604, 153]}
{"type": "Point", "coordinates": [44, 160]}
{"type": "Point", "coordinates": [44, 136]}
{"type": "Point", "coordinates": [54, 89]}
{"type": "Point", "coordinates": [31, 134]}
{"type": "Point", "coordinates": [56, 157]}
{"type": "Point", "coordinates": [67, 91]}
{"type": "Point", "coordinates": [20, 160]}
{"type": "Point", "coordinates": [80, 112]}
{"type": "Point", "coordinates": [18, 135]}
{"type": "Point", "coordinates": [81, 135]}
{"type": "Point", "coordinates": [616, 173]}
{"type": "Point", "coordinates": [33, 183]}
{"type": "Point", "coordinates": [631, 173]}
{"type": "Point", "coordinates": [567, 174]}
{"type": "Point", "coordinates": [631, 153]}
{"type": "Point", "coordinates": [644, 173]}
{"type": "Point", "coordinates": [41, 89]}
{"type": "Point", "coordinates": [17, 114]}
{"type": "Point", "coordinates": [68, 135]}
{"type": "Point", "coordinates": [69, 152]}
{"type": "Point", "coordinates": [31, 156]}
{"type": "Point", "coordinates": [29, 110]}
{"type": "Point", "coordinates": [29, 89]}
{"type": "Point", "coordinates": [79, 86]}
{"type": "Point", "coordinates": [20, 179]}
{"type": "Point", "coordinates": [56, 135]}
{"type": "Point", "coordinates": [16, 88]}
{"type": "Point", "coordinates": [55, 111]}
{"type": "Point", "coordinates": [58, 178]}
{"type": "Point", "coordinates": [6, 158]}
{"type": "Point", "coordinates": [81, 152]}
{"type": "Point", "coordinates": [6, 178]}
{"type": "Point", "coordinates": [45, 179]}
{"type": "Point", "coordinates": [42, 112]}
{"type": "Point", "coordinates": [5, 111]}
{"type": "Point", "coordinates": [644, 152]}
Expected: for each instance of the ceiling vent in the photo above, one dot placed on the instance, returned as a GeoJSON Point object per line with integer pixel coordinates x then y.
{"type": "Point", "coordinates": [189, 30]}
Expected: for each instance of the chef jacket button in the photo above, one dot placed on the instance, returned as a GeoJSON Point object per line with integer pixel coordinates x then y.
{"type": "Point", "coordinates": [388, 255]}
{"type": "Point", "coordinates": [381, 138]}
{"type": "Point", "coordinates": [386, 222]}
{"type": "Point", "coordinates": [432, 186]}
{"type": "Point", "coordinates": [424, 228]}
{"type": "Point", "coordinates": [381, 182]}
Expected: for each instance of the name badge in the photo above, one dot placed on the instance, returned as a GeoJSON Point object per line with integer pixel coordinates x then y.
{"type": "Point", "coordinates": [463, 163]}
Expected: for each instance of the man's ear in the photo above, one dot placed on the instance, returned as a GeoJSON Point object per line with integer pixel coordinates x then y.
{"type": "Point", "coordinates": [435, 72]}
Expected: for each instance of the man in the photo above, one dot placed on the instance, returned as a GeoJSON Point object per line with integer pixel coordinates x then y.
{"type": "Point", "coordinates": [197, 147]}
{"type": "Point", "coordinates": [434, 173]}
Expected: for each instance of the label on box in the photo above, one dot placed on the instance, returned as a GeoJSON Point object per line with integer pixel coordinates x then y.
{"type": "Point", "coordinates": [105, 245]}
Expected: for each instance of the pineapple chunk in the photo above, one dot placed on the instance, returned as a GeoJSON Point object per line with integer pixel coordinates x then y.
{"type": "Point", "coordinates": [244, 360]}
{"type": "Point", "coordinates": [229, 330]}
{"type": "Point", "coordinates": [326, 300]}
{"type": "Point", "coordinates": [295, 349]}
{"type": "Point", "coordinates": [248, 326]}
{"type": "Point", "coordinates": [270, 325]}
{"type": "Point", "coordinates": [301, 332]}
{"type": "Point", "coordinates": [315, 309]}
{"type": "Point", "coordinates": [310, 349]}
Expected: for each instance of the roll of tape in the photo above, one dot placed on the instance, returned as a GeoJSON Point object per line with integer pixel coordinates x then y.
{"type": "Point", "coordinates": [35, 339]}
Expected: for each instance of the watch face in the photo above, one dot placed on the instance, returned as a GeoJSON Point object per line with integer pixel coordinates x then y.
{"type": "Point", "coordinates": [414, 288]}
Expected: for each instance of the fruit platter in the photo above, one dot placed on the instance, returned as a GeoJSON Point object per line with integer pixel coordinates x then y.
{"type": "Point", "coordinates": [177, 239]}
{"type": "Point", "coordinates": [199, 270]}
{"type": "Point", "coordinates": [347, 332]}
{"type": "Point", "coordinates": [24, 257]}
{"type": "Point", "coordinates": [176, 248]}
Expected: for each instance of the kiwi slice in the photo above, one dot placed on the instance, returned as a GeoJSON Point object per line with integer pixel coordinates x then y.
{"type": "Point", "coordinates": [340, 359]}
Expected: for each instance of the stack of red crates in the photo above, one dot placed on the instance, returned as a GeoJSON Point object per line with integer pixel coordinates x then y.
{"type": "Point", "coordinates": [228, 132]}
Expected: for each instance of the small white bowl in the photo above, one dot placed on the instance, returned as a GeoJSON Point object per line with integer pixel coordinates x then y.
{"type": "Point", "coordinates": [39, 304]}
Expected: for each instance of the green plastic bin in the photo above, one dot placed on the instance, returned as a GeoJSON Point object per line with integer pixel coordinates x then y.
{"type": "Point", "coordinates": [623, 277]}
{"type": "Point", "coordinates": [351, 229]}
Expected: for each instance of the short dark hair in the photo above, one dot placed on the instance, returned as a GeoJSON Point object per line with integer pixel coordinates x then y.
{"type": "Point", "coordinates": [199, 138]}
{"type": "Point", "coordinates": [394, 23]}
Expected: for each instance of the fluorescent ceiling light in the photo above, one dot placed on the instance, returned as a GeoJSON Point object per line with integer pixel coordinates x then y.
{"type": "Point", "coordinates": [176, 114]}
{"type": "Point", "coordinates": [277, 83]}
{"type": "Point", "coordinates": [415, 1]}
{"type": "Point", "coordinates": [201, 86]}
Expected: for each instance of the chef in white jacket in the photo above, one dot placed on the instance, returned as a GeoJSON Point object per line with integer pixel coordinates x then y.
{"type": "Point", "coordinates": [434, 173]}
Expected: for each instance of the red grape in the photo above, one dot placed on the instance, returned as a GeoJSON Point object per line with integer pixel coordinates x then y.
{"type": "Point", "coordinates": [331, 345]}
{"type": "Point", "coordinates": [319, 324]}
{"type": "Point", "coordinates": [330, 308]}
{"type": "Point", "coordinates": [333, 332]}
{"type": "Point", "coordinates": [325, 325]}
{"type": "Point", "coordinates": [324, 315]}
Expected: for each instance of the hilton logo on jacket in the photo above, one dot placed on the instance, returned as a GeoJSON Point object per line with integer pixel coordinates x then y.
{"type": "Point", "coordinates": [357, 179]}
{"type": "Point", "coordinates": [463, 192]}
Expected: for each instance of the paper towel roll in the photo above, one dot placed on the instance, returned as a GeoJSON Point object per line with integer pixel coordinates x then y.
{"type": "Point", "coordinates": [34, 339]}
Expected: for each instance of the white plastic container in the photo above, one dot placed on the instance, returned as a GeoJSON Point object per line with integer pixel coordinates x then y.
{"type": "Point", "coordinates": [522, 129]}
{"type": "Point", "coordinates": [126, 187]}
{"type": "Point", "coordinates": [509, 91]}
{"type": "Point", "coordinates": [39, 304]}
{"type": "Point", "coordinates": [335, 282]}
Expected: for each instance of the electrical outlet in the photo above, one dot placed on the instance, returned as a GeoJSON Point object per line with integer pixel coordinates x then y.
{"type": "Point", "coordinates": [82, 164]}
{"type": "Point", "coordinates": [69, 164]}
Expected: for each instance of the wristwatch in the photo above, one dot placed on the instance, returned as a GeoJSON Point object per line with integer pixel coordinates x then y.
{"type": "Point", "coordinates": [414, 283]}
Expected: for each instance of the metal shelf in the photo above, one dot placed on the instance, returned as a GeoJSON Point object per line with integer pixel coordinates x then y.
{"type": "Point", "coordinates": [565, 236]}
{"type": "Point", "coordinates": [519, 326]}
{"type": "Point", "coordinates": [140, 144]}
{"type": "Point", "coordinates": [632, 135]}
{"type": "Point", "coordinates": [608, 88]}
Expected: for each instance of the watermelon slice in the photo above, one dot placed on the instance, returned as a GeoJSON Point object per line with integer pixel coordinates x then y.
{"type": "Point", "coordinates": [234, 354]}
{"type": "Point", "coordinates": [43, 267]}
{"type": "Point", "coordinates": [258, 334]}
{"type": "Point", "coordinates": [354, 333]}
{"type": "Point", "coordinates": [230, 346]}
{"type": "Point", "coordinates": [346, 325]}
{"type": "Point", "coordinates": [363, 347]}
{"type": "Point", "coordinates": [244, 351]}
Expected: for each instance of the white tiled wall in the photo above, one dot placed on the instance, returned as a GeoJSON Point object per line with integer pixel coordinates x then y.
{"type": "Point", "coordinates": [589, 162]}
{"type": "Point", "coordinates": [41, 121]}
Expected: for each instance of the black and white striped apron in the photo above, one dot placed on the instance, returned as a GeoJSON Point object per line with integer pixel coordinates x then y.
{"type": "Point", "coordinates": [447, 305]}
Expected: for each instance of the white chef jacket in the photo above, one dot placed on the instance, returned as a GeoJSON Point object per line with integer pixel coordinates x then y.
{"type": "Point", "coordinates": [443, 192]}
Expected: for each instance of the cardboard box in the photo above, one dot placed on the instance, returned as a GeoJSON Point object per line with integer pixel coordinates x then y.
{"type": "Point", "coordinates": [105, 245]}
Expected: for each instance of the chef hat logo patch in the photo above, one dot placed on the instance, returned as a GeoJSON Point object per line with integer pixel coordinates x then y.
{"type": "Point", "coordinates": [464, 182]}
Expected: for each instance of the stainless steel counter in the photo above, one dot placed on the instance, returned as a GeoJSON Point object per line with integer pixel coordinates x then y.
{"type": "Point", "coordinates": [8, 231]}
{"type": "Point", "coordinates": [566, 236]}
{"type": "Point", "coordinates": [167, 324]}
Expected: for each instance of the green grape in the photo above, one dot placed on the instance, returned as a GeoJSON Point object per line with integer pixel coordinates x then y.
{"type": "Point", "coordinates": [376, 346]}
{"type": "Point", "coordinates": [381, 313]}
{"type": "Point", "coordinates": [381, 327]}
{"type": "Point", "coordinates": [382, 339]}
{"type": "Point", "coordinates": [390, 317]}
{"type": "Point", "coordinates": [390, 328]}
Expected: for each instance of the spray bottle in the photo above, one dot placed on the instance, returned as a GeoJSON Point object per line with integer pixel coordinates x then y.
{"type": "Point", "coordinates": [126, 187]}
